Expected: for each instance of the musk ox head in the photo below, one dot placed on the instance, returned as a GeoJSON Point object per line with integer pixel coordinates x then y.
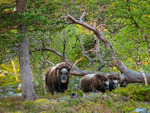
{"type": "Point", "coordinates": [113, 81]}
{"type": "Point", "coordinates": [115, 84]}
{"type": "Point", "coordinates": [63, 74]}
{"type": "Point", "coordinates": [104, 81]}
{"type": "Point", "coordinates": [106, 85]}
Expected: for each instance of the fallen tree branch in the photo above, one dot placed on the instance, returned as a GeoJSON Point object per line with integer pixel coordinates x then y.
{"type": "Point", "coordinates": [95, 31]}
{"type": "Point", "coordinates": [129, 75]}
{"type": "Point", "coordinates": [8, 29]}
{"type": "Point", "coordinates": [76, 71]}
{"type": "Point", "coordinates": [8, 12]}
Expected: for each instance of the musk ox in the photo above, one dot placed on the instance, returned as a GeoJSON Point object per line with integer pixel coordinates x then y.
{"type": "Point", "coordinates": [57, 78]}
{"type": "Point", "coordinates": [94, 83]}
{"type": "Point", "coordinates": [113, 81]}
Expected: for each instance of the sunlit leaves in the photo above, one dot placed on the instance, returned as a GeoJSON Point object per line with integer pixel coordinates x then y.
{"type": "Point", "coordinates": [122, 19]}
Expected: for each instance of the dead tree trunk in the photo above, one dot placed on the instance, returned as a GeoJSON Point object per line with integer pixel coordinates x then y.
{"type": "Point", "coordinates": [129, 75]}
{"type": "Point", "coordinates": [28, 92]}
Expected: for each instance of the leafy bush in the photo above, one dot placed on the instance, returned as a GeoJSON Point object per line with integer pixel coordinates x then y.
{"type": "Point", "coordinates": [135, 91]}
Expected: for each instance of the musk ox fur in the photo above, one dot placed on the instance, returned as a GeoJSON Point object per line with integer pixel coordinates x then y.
{"type": "Point", "coordinates": [57, 78]}
{"type": "Point", "coordinates": [94, 83]}
{"type": "Point", "coordinates": [113, 81]}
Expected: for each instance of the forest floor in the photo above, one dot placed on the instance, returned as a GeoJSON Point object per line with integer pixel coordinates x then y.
{"type": "Point", "coordinates": [122, 100]}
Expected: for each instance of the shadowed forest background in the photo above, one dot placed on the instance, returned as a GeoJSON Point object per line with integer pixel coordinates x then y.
{"type": "Point", "coordinates": [111, 36]}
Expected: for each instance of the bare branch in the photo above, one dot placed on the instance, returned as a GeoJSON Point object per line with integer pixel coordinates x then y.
{"type": "Point", "coordinates": [49, 62]}
{"type": "Point", "coordinates": [96, 32]}
{"type": "Point", "coordinates": [82, 49]}
{"type": "Point", "coordinates": [76, 71]}
{"type": "Point", "coordinates": [81, 23]}
{"type": "Point", "coordinates": [8, 29]}
{"type": "Point", "coordinates": [138, 62]}
{"type": "Point", "coordinates": [96, 46]}
{"type": "Point", "coordinates": [64, 44]}
{"type": "Point", "coordinates": [140, 29]}
{"type": "Point", "coordinates": [101, 25]}
{"type": "Point", "coordinates": [8, 12]}
{"type": "Point", "coordinates": [82, 16]}
{"type": "Point", "coordinates": [82, 57]}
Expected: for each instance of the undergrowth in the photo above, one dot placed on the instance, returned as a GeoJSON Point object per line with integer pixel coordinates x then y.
{"type": "Point", "coordinates": [121, 100]}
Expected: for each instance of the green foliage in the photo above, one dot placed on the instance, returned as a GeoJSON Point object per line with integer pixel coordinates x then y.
{"type": "Point", "coordinates": [135, 91]}
{"type": "Point", "coordinates": [38, 17]}
{"type": "Point", "coordinates": [125, 20]}
{"type": "Point", "coordinates": [8, 76]}
{"type": "Point", "coordinates": [142, 94]}
{"type": "Point", "coordinates": [11, 104]}
{"type": "Point", "coordinates": [88, 42]}
{"type": "Point", "coordinates": [41, 104]}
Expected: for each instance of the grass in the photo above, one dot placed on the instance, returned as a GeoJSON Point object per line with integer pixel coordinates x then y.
{"type": "Point", "coordinates": [121, 100]}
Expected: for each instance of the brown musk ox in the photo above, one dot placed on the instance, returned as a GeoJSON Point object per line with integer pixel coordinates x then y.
{"type": "Point", "coordinates": [94, 83]}
{"type": "Point", "coordinates": [57, 78]}
{"type": "Point", "coordinates": [113, 81]}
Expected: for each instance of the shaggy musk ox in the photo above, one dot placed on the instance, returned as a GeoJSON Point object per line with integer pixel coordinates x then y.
{"type": "Point", "coordinates": [57, 78]}
{"type": "Point", "coordinates": [113, 81]}
{"type": "Point", "coordinates": [94, 83]}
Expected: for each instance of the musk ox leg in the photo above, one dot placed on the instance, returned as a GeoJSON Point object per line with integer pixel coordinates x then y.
{"type": "Point", "coordinates": [47, 90]}
{"type": "Point", "coordinates": [60, 89]}
{"type": "Point", "coordinates": [94, 90]}
{"type": "Point", "coordinates": [52, 92]}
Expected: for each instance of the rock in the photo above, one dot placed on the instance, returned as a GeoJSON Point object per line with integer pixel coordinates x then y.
{"type": "Point", "coordinates": [141, 110]}
{"type": "Point", "coordinates": [9, 86]}
{"type": "Point", "coordinates": [9, 89]}
{"type": "Point", "coordinates": [11, 93]}
{"type": "Point", "coordinates": [106, 96]}
{"type": "Point", "coordinates": [1, 95]}
{"type": "Point", "coordinates": [1, 90]}
{"type": "Point", "coordinates": [74, 96]}
{"type": "Point", "coordinates": [19, 86]}
{"type": "Point", "coordinates": [18, 94]}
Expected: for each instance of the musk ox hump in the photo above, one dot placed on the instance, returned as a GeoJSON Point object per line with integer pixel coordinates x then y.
{"type": "Point", "coordinates": [89, 76]}
{"type": "Point", "coordinates": [52, 69]}
{"type": "Point", "coordinates": [113, 77]}
{"type": "Point", "coordinates": [62, 65]}
{"type": "Point", "coordinates": [104, 81]}
{"type": "Point", "coordinates": [102, 77]}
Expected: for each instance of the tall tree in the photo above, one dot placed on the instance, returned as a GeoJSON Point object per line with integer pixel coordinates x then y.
{"type": "Point", "coordinates": [29, 18]}
{"type": "Point", "coordinates": [28, 92]}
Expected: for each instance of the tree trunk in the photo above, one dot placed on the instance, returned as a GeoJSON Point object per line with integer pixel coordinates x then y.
{"type": "Point", "coordinates": [28, 92]}
{"type": "Point", "coordinates": [129, 75]}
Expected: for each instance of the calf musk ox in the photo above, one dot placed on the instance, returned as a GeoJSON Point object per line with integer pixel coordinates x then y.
{"type": "Point", "coordinates": [57, 78]}
{"type": "Point", "coordinates": [94, 83]}
{"type": "Point", "coordinates": [113, 81]}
